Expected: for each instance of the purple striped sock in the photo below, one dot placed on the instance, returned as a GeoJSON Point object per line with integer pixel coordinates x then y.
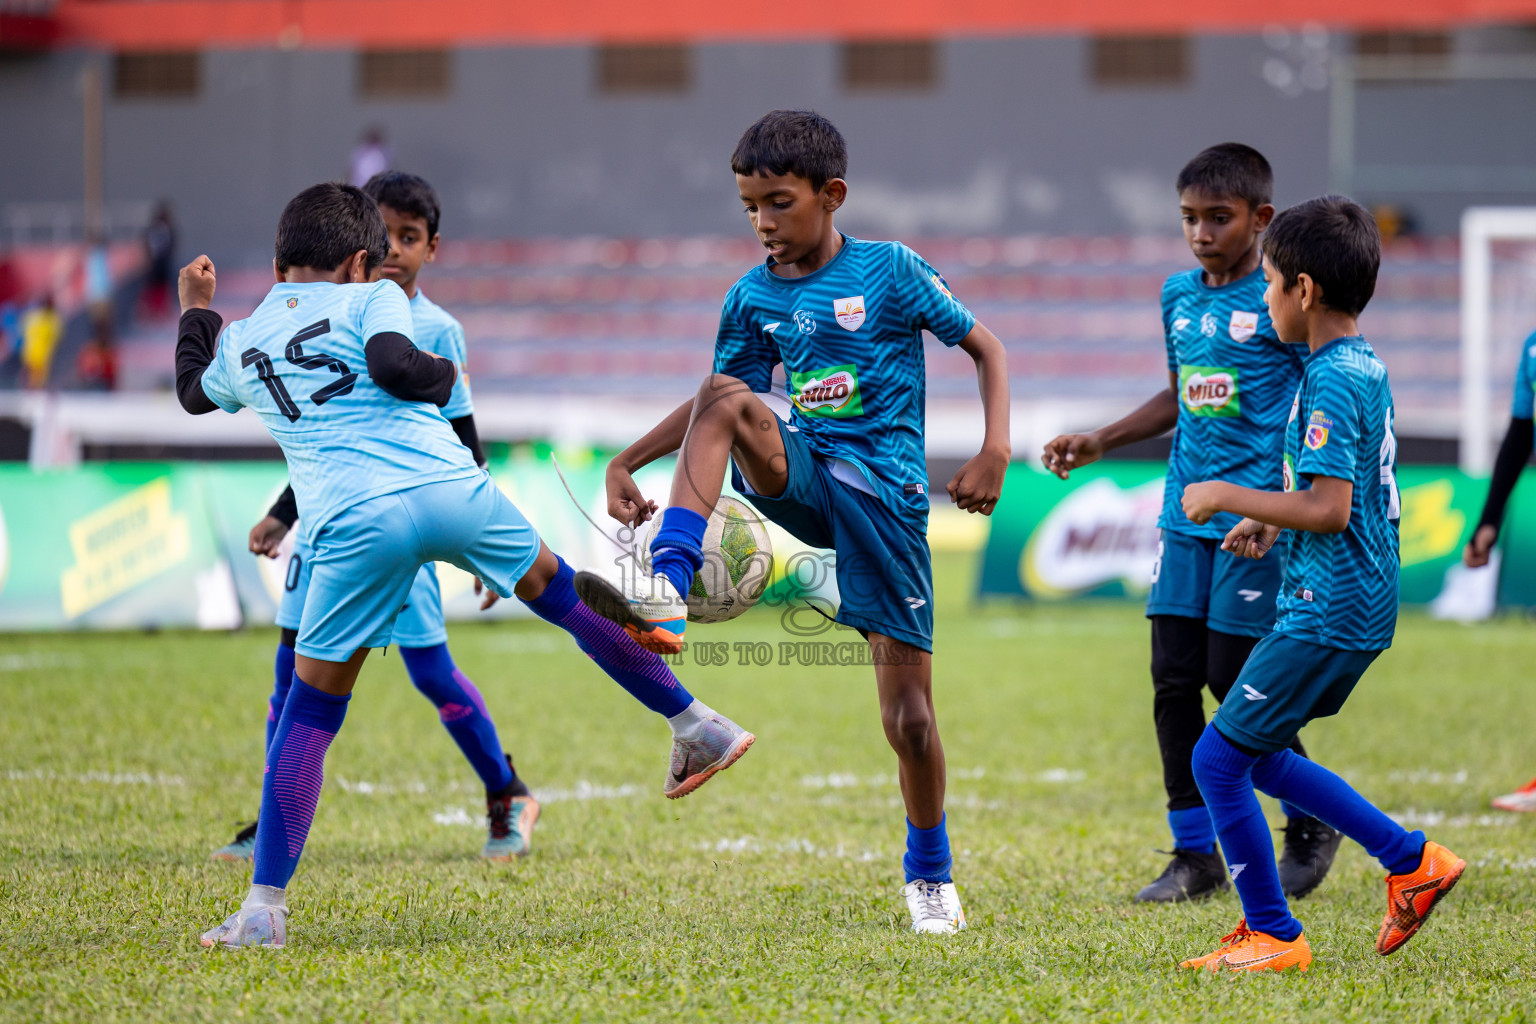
{"type": "Point", "coordinates": [462, 711]}
{"type": "Point", "coordinates": [643, 674]}
{"type": "Point", "coordinates": [290, 788]}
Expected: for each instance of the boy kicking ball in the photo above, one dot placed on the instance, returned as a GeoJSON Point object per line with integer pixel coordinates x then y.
{"type": "Point", "coordinates": [1338, 605]}
{"type": "Point", "coordinates": [384, 486]}
{"type": "Point", "coordinates": [845, 318]}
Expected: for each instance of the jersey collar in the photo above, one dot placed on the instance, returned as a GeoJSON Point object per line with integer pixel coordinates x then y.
{"type": "Point", "coordinates": [1351, 339]}
{"type": "Point", "coordinates": [794, 282]}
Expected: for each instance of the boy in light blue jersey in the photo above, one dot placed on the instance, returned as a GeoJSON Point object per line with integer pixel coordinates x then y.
{"type": "Point", "coordinates": [1338, 605]}
{"type": "Point", "coordinates": [383, 487]}
{"type": "Point", "coordinates": [1514, 453]}
{"type": "Point", "coordinates": [411, 214]}
{"type": "Point", "coordinates": [845, 318]}
{"type": "Point", "coordinates": [1230, 384]}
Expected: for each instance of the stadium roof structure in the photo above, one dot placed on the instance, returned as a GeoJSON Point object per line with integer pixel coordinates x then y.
{"type": "Point", "coordinates": [170, 24]}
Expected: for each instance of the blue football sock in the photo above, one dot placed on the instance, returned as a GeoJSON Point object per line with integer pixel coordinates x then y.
{"type": "Point", "coordinates": [290, 789]}
{"type": "Point", "coordinates": [677, 550]}
{"type": "Point", "coordinates": [633, 667]}
{"type": "Point", "coordinates": [462, 711]}
{"type": "Point", "coordinates": [927, 856]}
{"type": "Point", "coordinates": [1192, 829]}
{"type": "Point", "coordinates": [1291, 811]}
{"type": "Point", "coordinates": [282, 678]}
{"type": "Point", "coordinates": [1322, 794]}
{"type": "Point", "coordinates": [1224, 775]}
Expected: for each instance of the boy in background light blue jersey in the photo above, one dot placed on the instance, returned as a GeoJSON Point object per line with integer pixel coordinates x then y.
{"type": "Point", "coordinates": [847, 471]}
{"type": "Point", "coordinates": [411, 214]}
{"type": "Point", "coordinates": [383, 487]}
{"type": "Point", "coordinates": [1230, 384]}
{"type": "Point", "coordinates": [1338, 604]}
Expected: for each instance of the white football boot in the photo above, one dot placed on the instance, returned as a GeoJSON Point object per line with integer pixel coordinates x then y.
{"type": "Point", "coordinates": [935, 907]}
{"type": "Point", "coordinates": [1522, 799]}
{"type": "Point", "coordinates": [251, 926]}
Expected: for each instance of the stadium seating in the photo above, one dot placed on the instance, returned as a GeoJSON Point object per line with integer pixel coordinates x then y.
{"type": "Point", "coordinates": [1079, 315]}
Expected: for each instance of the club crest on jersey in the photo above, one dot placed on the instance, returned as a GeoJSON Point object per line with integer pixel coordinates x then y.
{"type": "Point", "coordinates": [1208, 325]}
{"type": "Point", "coordinates": [849, 312]}
{"type": "Point", "coordinates": [832, 392]}
{"type": "Point", "coordinates": [939, 283]}
{"type": "Point", "coordinates": [806, 321]}
{"type": "Point", "coordinates": [1243, 325]}
{"type": "Point", "coordinates": [293, 303]}
{"type": "Point", "coordinates": [1317, 430]}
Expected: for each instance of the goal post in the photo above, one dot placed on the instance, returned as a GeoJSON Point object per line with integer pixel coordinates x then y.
{"type": "Point", "coordinates": [1481, 228]}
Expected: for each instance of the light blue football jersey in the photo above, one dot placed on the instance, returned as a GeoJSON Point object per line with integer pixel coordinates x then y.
{"type": "Point", "coordinates": [1341, 588]}
{"type": "Point", "coordinates": [439, 333]}
{"type": "Point", "coordinates": [850, 339]}
{"type": "Point", "coordinates": [1236, 380]}
{"type": "Point", "coordinates": [1524, 404]}
{"type": "Point", "coordinates": [298, 363]}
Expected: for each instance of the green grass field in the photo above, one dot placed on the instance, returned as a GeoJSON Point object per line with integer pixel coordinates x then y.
{"type": "Point", "coordinates": [770, 894]}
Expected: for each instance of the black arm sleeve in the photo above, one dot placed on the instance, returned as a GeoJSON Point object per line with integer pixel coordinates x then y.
{"type": "Point", "coordinates": [286, 508]}
{"type": "Point", "coordinates": [464, 426]}
{"type": "Point", "coordinates": [1513, 454]}
{"type": "Point", "coordinates": [197, 340]}
{"type": "Point", "coordinates": [408, 373]}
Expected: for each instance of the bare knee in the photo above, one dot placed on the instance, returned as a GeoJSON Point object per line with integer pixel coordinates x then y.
{"type": "Point", "coordinates": [909, 728]}
{"type": "Point", "coordinates": [720, 397]}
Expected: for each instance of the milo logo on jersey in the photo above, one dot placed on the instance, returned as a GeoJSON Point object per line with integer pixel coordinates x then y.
{"type": "Point", "coordinates": [1288, 474]}
{"type": "Point", "coordinates": [1209, 390]}
{"type": "Point", "coordinates": [833, 392]}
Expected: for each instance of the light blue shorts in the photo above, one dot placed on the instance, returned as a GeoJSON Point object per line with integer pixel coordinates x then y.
{"type": "Point", "coordinates": [419, 624]}
{"type": "Point", "coordinates": [364, 562]}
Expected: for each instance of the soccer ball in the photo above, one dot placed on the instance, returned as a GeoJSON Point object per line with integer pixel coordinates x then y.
{"type": "Point", "coordinates": [738, 562]}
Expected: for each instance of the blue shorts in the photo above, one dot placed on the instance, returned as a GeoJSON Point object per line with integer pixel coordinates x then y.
{"type": "Point", "coordinates": [366, 559]}
{"type": "Point", "coordinates": [884, 570]}
{"type": "Point", "coordinates": [419, 624]}
{"type": "Point", "coordinates": [1194, 578]}
{"type": "Point", "coordinates": [1285, 684]}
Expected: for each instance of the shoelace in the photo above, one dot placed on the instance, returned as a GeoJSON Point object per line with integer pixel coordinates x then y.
{"type": "Point", "coordinates": [1238, 935]}
{"type": "Point", "coordinates": [932, 896]}
{"type": "Point", "coordinates": [499, 814]}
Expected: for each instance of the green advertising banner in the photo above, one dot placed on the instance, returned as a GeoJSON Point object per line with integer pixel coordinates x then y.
{"type": "Point", "coordinates": [147, 545]}
{"type": "Point", "coordinates": [1096, 534]}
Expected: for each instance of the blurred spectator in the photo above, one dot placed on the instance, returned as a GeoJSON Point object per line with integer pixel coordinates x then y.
{"type": "Point", "coordinates": [41, 328]}
{"type": "Point", "coordinates": [97, 364]}
{"type": "Point", "coordinates": [370, 156]}
{"type": "Point", "coordinates": [10, 331]}
{"type": "Point", "coordinates": [160, 250]}
{"type": "Point", "coordinates": [1393, 222]}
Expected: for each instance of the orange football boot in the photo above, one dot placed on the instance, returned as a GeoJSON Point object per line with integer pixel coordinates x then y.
{"type": "Point", "coordinates": [1244, 950]}
{"type": "Point", "coordinates": [1411, 896]}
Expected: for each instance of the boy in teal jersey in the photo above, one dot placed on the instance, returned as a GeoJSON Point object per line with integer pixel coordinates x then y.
{"type": "Point", "coordinates": [383, 487]}
{"type": "Point", "coordinates": [1230, 383]}
{"type": "Point", "coordinates": [1514, 453]}
{"type": "Point", "coordinates": [411, 214]}
{"type": "Point", "coordinates": [1338, 604]}
{"type": "Point", "coordinates": [847, 471]}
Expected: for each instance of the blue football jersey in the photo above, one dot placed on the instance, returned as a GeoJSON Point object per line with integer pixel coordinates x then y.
{"type": "Point", "coordinates": [298, 363]}
{"type": "Point", "coordinates": [1341, 588]}
{"type": "Point", "coordinates": [850, 339]}
{"type": "Point", "coordinates": [439, 333]}
{"type": "Point", "coordinates": [1236, 379]}
{"type": "Point", "coordinates": [1524, 404]}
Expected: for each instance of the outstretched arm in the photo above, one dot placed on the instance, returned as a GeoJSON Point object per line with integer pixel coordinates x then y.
{"type": "Point", "coordinates": [1156, 416]}
{"type": "Point", "coordinates": [979, 483]}
{"type": "Point", "coordinates": [625, 502]}
{"type": "Point", "coordinates": [1513, 454]}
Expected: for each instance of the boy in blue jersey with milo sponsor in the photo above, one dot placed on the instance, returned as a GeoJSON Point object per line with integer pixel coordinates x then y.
{"type": "Point", "coordinates": [1338, 602]}
{"type": "Point", "coordinates": [847, 471]}
{"type": "Point", "coordinates": [412, 215]}
{"type": "Point", "coordinates": [1230, 384]}
{"type": "Point", "coordinates": [1514, 453]}
{"type": "Point", "coordinates": [383, 487]}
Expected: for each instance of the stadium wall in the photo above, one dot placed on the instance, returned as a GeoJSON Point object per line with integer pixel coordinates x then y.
{"type": "Point", "coordinates": [1013, 136]}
